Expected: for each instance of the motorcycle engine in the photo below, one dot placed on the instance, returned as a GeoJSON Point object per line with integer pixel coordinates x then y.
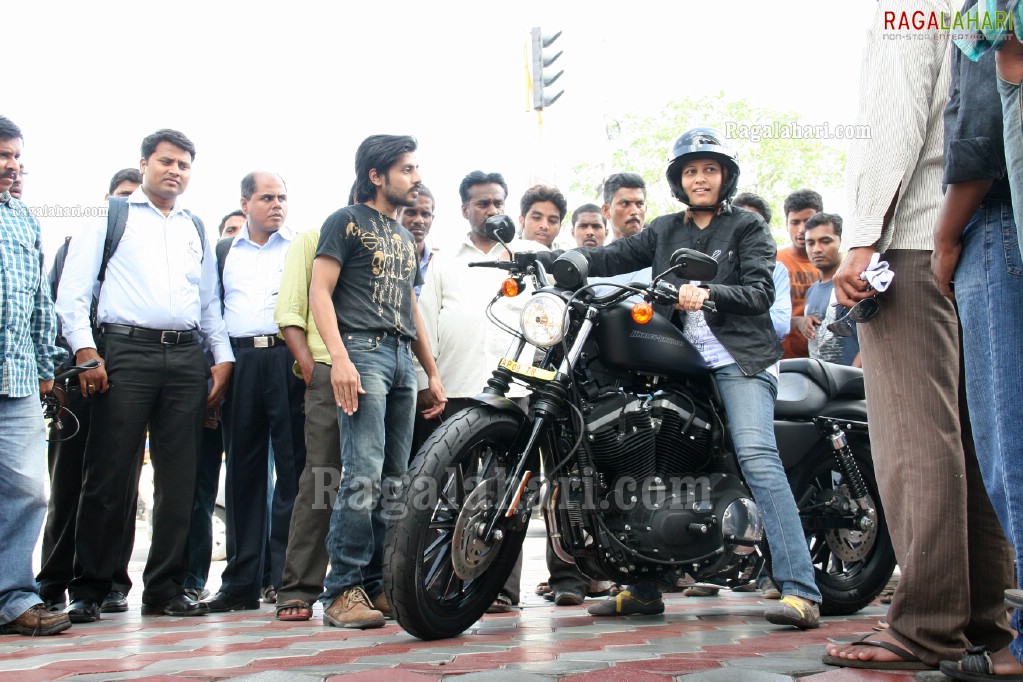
{"type": "Point", "coordinates": [663, 491]}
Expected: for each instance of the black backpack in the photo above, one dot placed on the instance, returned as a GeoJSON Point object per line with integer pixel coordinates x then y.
{"type": "Point", "coordinates": [117, 219]}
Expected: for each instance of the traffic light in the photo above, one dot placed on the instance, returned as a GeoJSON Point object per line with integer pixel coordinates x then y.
{"type": "Point", "coordinates": [542, 60]}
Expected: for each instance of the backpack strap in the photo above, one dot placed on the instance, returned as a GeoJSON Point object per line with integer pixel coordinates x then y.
{"type": "Point", "coordinates": [117, 219]}
{"type": "Point", "coordinates": [223, 248]}
{"type": "Point", "coordinates": [58, 266]}
{"type": "Point", "coordinates": [201, 229]}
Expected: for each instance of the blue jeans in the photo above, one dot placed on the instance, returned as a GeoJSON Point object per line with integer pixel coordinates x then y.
{"type": "Point", "coordinates": [23, 491]}
{"type": "Point", "coordinates": [375, 443]}
{"type": "Point", "coordinates": [989, 291]}
{"type": "Point", "coordinates": [749, 404]}
{"type": "Point", "coordinates": [1012, 139]}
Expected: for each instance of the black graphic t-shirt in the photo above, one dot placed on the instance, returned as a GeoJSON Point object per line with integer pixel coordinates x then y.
{"type": "Point", "coordinates": [379, 270]}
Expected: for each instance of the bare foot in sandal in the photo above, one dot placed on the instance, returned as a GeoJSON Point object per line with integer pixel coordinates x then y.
{"type": "Point", "coordinates": [878, 650]}
{"type": "Point", "coordinates": [294, 609]}
{"type": "Point", "coordinates": [979, 663]}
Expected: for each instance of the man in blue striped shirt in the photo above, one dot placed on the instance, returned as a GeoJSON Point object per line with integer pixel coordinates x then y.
{"type": "Point", "coordinates": [28, 331]}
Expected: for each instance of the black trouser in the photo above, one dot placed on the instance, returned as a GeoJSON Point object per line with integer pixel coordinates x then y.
{"type": "Point", "coordinates": [263, 407]}
{"type": "Point", "coordinates": [163, 386]}
{"type": "Point", "coordinates": [65, 463]}
{"type": "Point", "coordinates": [207, 484]}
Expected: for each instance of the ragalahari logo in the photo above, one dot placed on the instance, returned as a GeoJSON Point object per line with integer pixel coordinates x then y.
{"type": "Point", "coordinates": [988, 22]}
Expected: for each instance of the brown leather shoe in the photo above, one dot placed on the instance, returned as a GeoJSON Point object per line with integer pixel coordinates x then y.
{"type": "Point", "coordinates": [381, 604]}
{"type": "Point", "coordinates": [35, 622]}
{"type": "Point", "coordinates": [353, 609]}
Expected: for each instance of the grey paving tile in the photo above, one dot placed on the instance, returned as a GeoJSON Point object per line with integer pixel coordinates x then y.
{"type": "Point", "coordinates": [560, 666]}
{"type": "Point", "coordinates": [726, 675]}
{"type": "Point", "coordinates": [611, 654]}
{"type": "Point", "coordinates": [789, 663]}
{"type": "Point", "coordinates": [280, 676]}
{"type": "Point", "coordinates": [423, 656]}
{"type": "Point", "coordinates": [502, 675]}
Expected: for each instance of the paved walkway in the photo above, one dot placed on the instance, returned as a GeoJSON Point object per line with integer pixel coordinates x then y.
{"type": "Point", "coordinates": [697, 639]}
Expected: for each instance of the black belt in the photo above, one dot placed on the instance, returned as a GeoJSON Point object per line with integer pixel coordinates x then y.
{"type": "Point", "coordinates": [264, 341]}
{"type": "Point", "coordinates": [169, 337]}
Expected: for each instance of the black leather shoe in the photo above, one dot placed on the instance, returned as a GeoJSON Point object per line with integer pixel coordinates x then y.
{"type": "Point", "coordinates": [224, 601]}
{"type": "Point", "coordinates": [115, 602]}
{"type": "Point", "coordinates": [178, 606]}
{"type": "Point", "coordinates": [83, 611]}
{"type": "Point", "coordinates": [55, 605]}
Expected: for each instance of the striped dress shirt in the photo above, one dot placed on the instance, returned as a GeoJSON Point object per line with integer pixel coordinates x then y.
{"type": "Point", "coordinates": [903, 90]}
{"type": "Point", "coordinates": [28, 327]}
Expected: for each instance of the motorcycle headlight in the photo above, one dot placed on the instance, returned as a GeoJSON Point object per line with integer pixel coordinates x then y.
{"type": "Point", "coordinates": [543, 320]}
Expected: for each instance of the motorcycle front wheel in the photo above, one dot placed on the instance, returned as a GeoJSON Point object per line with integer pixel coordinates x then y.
{"type": "Point", "coordinates": [851, 567]}
{"type": "Point", "coordinates": [440, 576]}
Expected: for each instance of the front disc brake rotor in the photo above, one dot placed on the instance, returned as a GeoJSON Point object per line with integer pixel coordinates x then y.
{"type": "Point", "coordinates": [850, 545]}
{"type": "Point", "coordinates": [470, 555]}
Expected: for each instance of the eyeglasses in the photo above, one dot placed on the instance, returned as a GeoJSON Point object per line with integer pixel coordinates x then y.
{"type": "Point", "coordinates": [864, 311]}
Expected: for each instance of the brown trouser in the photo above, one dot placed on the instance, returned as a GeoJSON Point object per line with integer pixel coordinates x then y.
{"type": "Point", "coordinates": [955, 562]}
{"type": "Point", "coordinates": [305, 562]}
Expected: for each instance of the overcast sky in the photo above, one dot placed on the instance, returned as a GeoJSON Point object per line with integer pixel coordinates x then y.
{"type": "Point", "coordinates": [295, 86]}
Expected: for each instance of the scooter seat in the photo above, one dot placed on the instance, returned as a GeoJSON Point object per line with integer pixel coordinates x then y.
{"type": "Point", "coordinates": [805, 386]}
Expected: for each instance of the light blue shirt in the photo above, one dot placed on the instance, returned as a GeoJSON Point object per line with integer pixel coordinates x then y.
{"type": "Point", "coordinates": [252, 280]}
{"type": "Point", "coordinates": [28, 327]}
{"type": "Point", "coordinates": [158, 278]}
{"type": "Point", "coordinates": [781, 309]}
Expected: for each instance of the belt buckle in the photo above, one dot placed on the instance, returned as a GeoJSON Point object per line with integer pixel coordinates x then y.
{"type": "Point", "coordinates": [166, 337]}
{"type": "Point", "coordinates": [261, 342]}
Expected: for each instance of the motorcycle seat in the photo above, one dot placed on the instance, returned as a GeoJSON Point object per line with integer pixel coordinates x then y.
{"type": "Point", "coordinates": [805, 386]}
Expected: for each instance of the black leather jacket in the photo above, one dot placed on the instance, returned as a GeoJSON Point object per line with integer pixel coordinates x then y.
{"type": "Point", "coordinates": [743, 290]}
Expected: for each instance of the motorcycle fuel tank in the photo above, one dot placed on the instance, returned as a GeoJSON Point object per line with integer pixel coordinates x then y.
{"type": "Point", "coordinates": [656, 347]}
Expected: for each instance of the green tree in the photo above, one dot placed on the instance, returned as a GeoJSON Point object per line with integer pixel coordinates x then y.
{"type": "Point", "coordinates": [773, 165]}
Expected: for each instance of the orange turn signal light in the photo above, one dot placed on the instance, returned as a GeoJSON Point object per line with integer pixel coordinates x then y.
{"type": "Point", "coordinates": [510, 287]}
{"type": "Point", "coordinates": [642, 313]}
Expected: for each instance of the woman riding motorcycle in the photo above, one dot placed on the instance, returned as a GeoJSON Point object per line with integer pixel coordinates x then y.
{"type": "Point", "coordinates": [737, 341]}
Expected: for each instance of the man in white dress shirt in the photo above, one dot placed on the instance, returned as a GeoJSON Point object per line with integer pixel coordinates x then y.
{"type": "Point", "coordinates": [453, 304]}
{"type": "Point", "coordinates": [159, 298]}
{"type": "Point", "coordinates": [264, 402]}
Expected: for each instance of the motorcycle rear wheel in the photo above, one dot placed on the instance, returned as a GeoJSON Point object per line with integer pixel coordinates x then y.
{"type": "Point", "coordinates": [851, 567]}
{"type": "Point", "coordinates": [427, 556]}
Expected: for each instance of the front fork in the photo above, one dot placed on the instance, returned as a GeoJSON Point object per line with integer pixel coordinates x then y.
{"type": "Point", "coordinates": [551, 405]}
{"type": "Point", "coordinates": [834, 430]}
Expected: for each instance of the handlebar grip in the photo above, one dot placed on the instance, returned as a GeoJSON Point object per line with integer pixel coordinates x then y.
{"type": "Point", "coordinates": [72, 372]}
{"type": "Point", "coordinates": [709, 307]}
{"type": "Point", "coordinates": [499, 264]}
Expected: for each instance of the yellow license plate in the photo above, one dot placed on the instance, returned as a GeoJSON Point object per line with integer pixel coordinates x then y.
{"type": "Point", "coordinates": [528, 370]}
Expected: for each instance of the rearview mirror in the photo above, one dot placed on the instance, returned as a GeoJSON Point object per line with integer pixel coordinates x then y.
{"type": "Point", "coordinates": [500, 228]}
{"type": "Point", "coordinates": [693, 265]}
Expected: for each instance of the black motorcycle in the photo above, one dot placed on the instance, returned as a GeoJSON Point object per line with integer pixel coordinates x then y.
{"type": "Point", "coordinates": [639, 480]}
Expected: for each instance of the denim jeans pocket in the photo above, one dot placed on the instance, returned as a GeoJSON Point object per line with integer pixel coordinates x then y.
{"type": "Point", "coordinates": [361, 342]}
{"type": "Point", "coordinates": [1010, 246]}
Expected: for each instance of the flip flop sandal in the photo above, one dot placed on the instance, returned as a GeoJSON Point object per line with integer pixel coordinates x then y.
{"type": "Point", "coordinates": [908, 662]}
{"type": "Point", "coordinates": [1014, 598]}
{"type": "Point", "coordinates": [305, 611]}
{"type": "Point", "coordinates": [975, 666]}
{"type": "Point", "coordinates": [269, 595]}
{"type": "Point", "coordinates": [543, 588]}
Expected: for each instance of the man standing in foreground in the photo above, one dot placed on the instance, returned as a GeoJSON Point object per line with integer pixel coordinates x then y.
{"type": "Point", "coordinates": [954, 565]}
{"type": "Point", "coordinates": [363, 299]}
{"type": "Point", "coordinates": [27, 351]}
{"type": "Point", "coordinates": [152, 373]}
